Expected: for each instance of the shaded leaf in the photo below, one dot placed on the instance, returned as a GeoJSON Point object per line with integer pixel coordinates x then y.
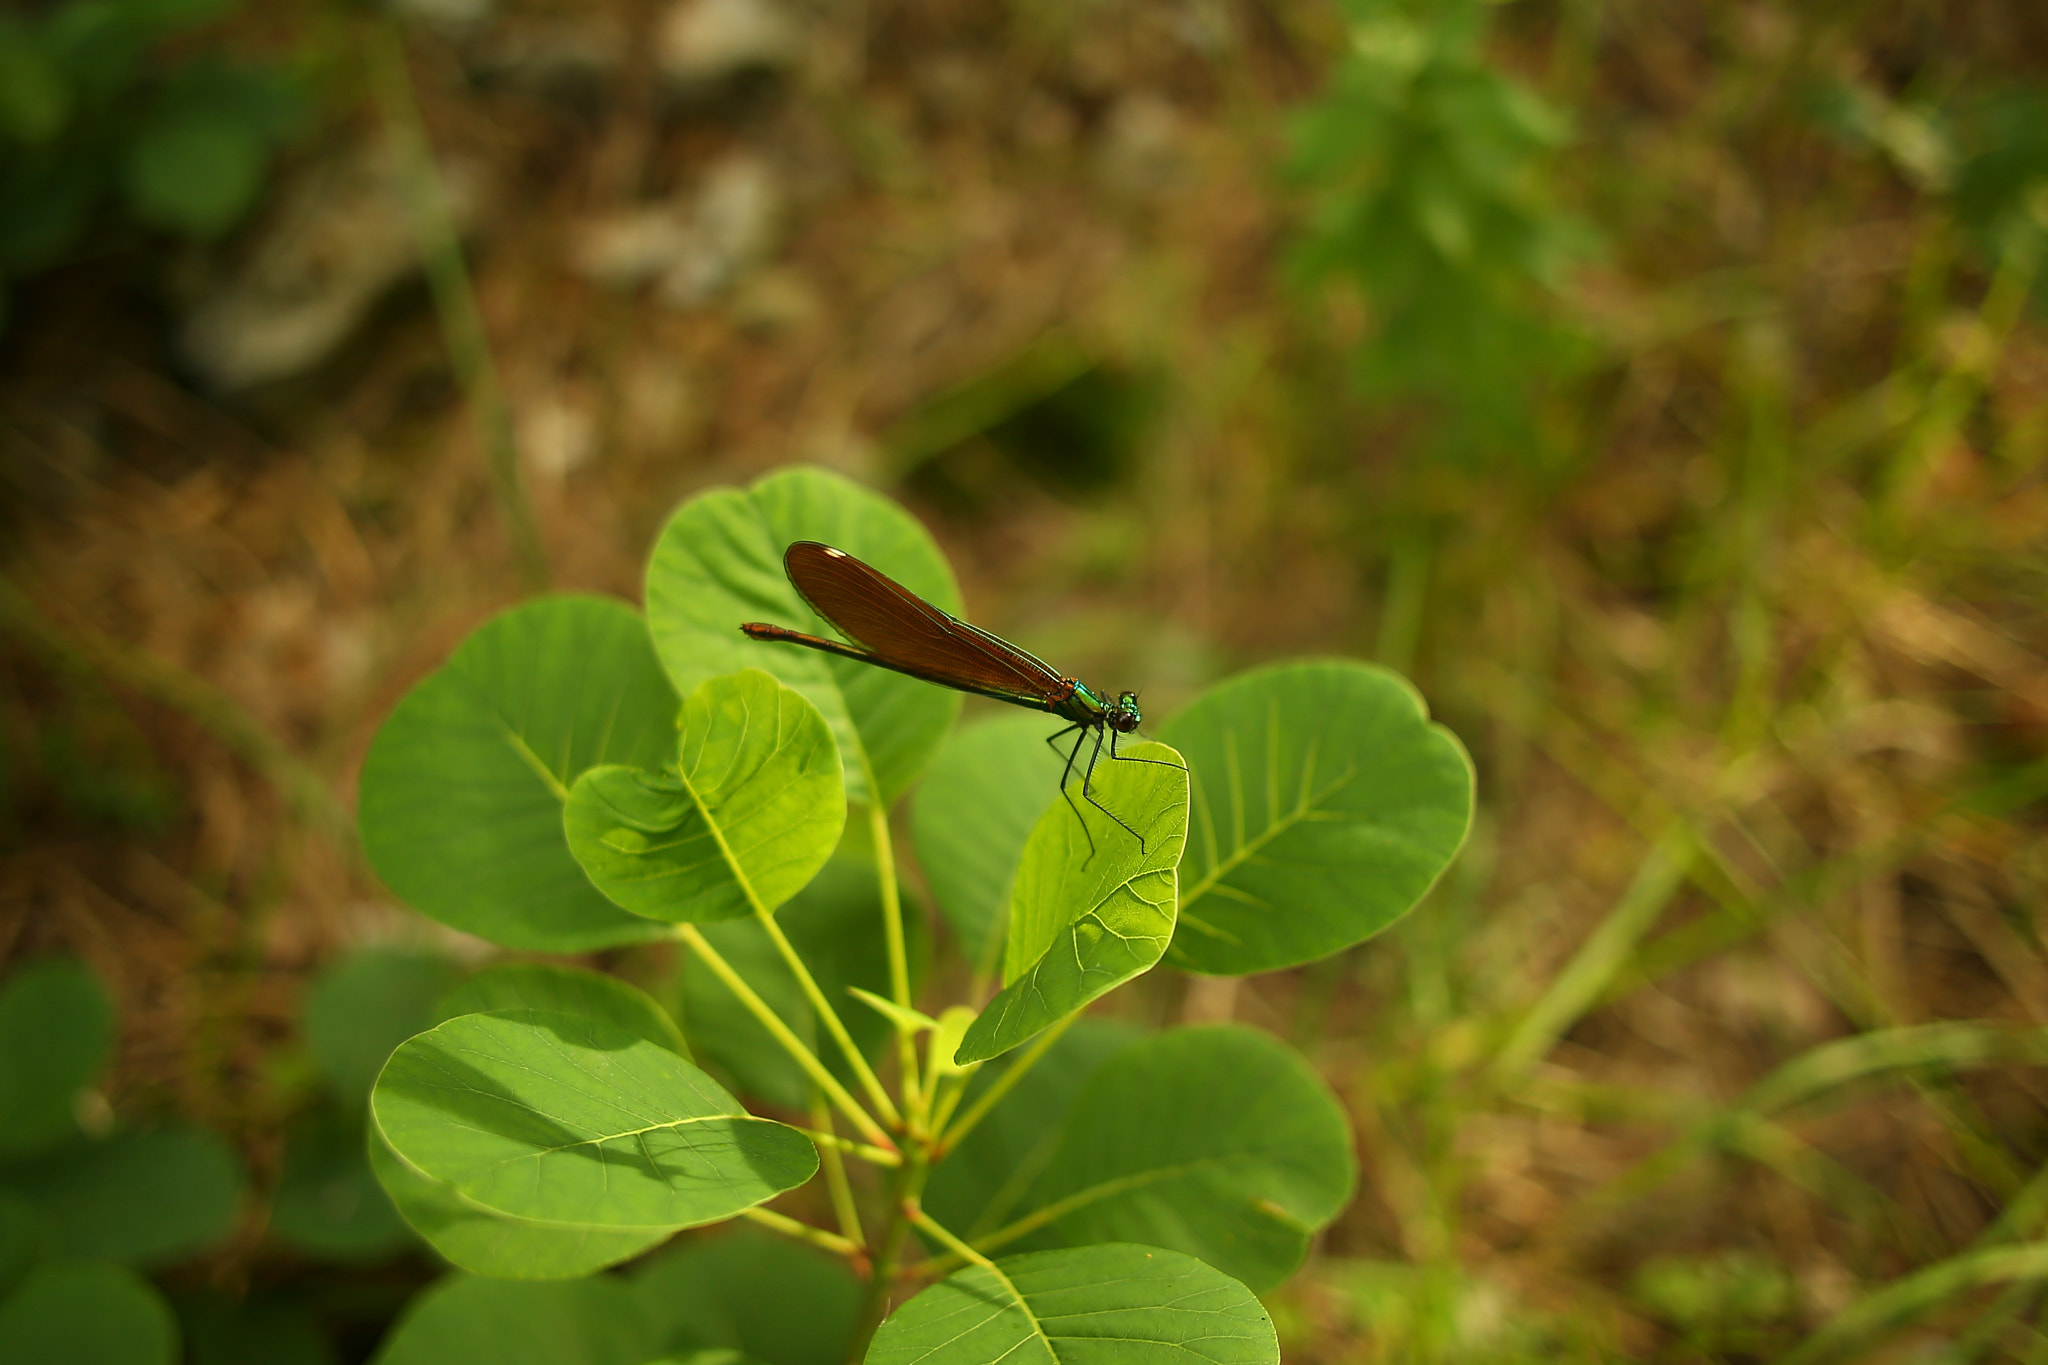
{"type": "Point", "coordinates": [360, 1008]}
{"type": "Point", "coordinates": [144, 1198]}
{"type": "Point", "coordinates": [735, 1290]}
{"type": "Point", "coordinates": [1130, 1304]}
{"type": "Point", "coordinates": [594, 1321]}
{"type": "Point", "coordinates": [327, 1202]}
{"type": "Point", "coordinates": [576, 1122]}
{"type": "Point", "coordinates": [56, 1026]}
{"type": "Point", "coordinates": [971, 815]}
{"type": "Point", "coordinates": [462, 790]}
{"type": "Point", "coordinates": [87, 1314]}
{"type": "Point", "coordinates": [1220, 1142]}
{"type": "Point", "coordinates": [486, 1243]}
{"type": "Point", "coordinates": [565, 990]}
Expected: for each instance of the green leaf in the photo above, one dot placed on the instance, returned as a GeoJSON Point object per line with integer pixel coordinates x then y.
{"type": "Point", "coordinates": [1086, 918]}
{"type": "Point", "coordinates": [35, 99]}
{"type": "Point", "coordinates": [327, 1202]}
{"type": "Point", "coordinates": [911, 1021]}
{"type": "Point", "coordinates": [195, 171]}
{"type": "Point", "coordinates": [1133, 1305]}
{"type": "Point", "coordinates": [984, 1180]}
{"type": "Point", "coordinates": [565, 990]}
{"type": "Point", "coordinates": [579, 1123]}
{"type": "Point", "coordinates": [144, 1198]}
{"type": "Point", "coordinates": [718, 564]}
{"type": "Point", "coordinates": [755, 810]}
{"type": "Point", "coordinates": [365, 1005]}
{"type": "Point", "coordinates": [20, 1231]}
{"type": "Point", "coordinates": [223, 1331]}
{"type": "Point", "coordinates": [971, 816]}
{"type": "Point", "coordinates": [594, 1321]}
{"type": "Point", "coordinates": [486, 1243]}
{"type": "Point", "coordinates": [746, 1290]}
{"type": "Point", "coordinates": [835, 925]}
{"type": "Point", "coordinates": [56, 1026]}
{"type": "Point", "coordinates": [1220, 1142]}
{"type": "Point", "coordinates": [87, 1314]}
{"type": "Point", "coordinates": [462, 790]}
{"type": "Point", "coordinates": [1325, 804]}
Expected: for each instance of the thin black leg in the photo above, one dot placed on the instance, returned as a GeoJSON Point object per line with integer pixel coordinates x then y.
{"type": "Point", "coordinates": [1088, 778]}
{"type": "Point", "coordinates": [1068, 772]}
{"type": "Point", "coordinates": [1162, 762]}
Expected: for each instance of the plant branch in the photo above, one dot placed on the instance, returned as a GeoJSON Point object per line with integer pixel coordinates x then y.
{"type": "Point", "coordinates": [924, 1222]}
{"type": "Point", "coordinates": [836, 1185]}
{"type": "Point", "coordinates": [899, 958]}
{"type": "Point", "coordinates": [803, 1232]}
{"type": "Point", "coordinates": [991, 1097]}
{"type": "Point", "coordinates": [906, 1190]}
{"type": "Point", "coordinates": [877, 1096]}
{"type": "Point", "coordinates": [805, 1058]}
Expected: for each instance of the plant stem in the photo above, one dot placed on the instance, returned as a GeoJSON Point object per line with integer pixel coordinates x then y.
{"type": "Point", "coordinates": [926, 1223]}
{"type": "Point", "coordinates": [864, 1073]}
{"type": "Point", "coordinates": [905, 1190]}
{"type": "Point", "coordinates": [847, 1105]}
{"type": "Point", "coordinates": [454, 295]}
{"type": "Point", "coordinates": [899, 958]}
{"type": "Point", "coordinates": [1003, 1083]}
{"type": "Point", "coordinates": [843, 1207]}
{"type": "Point", "coordinates": [803, 1232]}
{"type": "Point", "coordinates": [825, 1138]}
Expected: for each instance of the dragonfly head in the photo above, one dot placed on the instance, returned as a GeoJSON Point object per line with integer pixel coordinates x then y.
{"type": "Point", "coordinates": [1124, 717]}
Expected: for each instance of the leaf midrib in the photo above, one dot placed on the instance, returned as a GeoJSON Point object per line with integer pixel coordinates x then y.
{"type": "Point", "coordinates": [1307, 806]}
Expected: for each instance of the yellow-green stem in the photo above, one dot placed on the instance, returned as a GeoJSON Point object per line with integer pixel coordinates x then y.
{"type": "Point", "coordinates": [991, 1097]}
{"type": "Point", "coordinates": [925, 1223]}
{"type": "Point", "coordinates": [824, 1137]}
{"type": "Point", "coordinates": [899, 958]}
{"type": "Point", "coordinates": [904, 1193]}
{"type": "Point", "coordinates": [843, 1207]}
{"type": "Point", "coordinates": [803, 1232]}
{"type": "Point", "coordinates": [756, 1006]}
{"type": "Point", "coordinates": [864, 1073]}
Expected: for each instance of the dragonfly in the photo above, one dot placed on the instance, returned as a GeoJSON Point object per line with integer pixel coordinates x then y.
{"type": "Point", "coordinates": [892, 627]}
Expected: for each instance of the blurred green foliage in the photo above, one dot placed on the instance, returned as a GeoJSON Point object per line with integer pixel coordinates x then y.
{"type": "Point", "coordinates": [104, 114]}
{"type": "Point", "coordinates": [1425, 174]}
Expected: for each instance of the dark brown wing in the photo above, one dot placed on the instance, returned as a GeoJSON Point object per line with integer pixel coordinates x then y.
{"type": "Point", "coordinates": [878, 613]}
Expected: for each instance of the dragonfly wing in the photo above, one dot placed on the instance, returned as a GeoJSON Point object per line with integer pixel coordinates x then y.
{"type": "Point", "coordinates": [879, 614]}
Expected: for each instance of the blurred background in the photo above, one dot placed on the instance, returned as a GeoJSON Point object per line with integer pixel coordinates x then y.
{"type": "Point", "coordinates": [1662, 386]}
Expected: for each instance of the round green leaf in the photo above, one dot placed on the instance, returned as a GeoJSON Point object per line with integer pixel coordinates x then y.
{"type": "Point", "coordinates": [1220, 1142]}
{"type": "Point", "coordinates": [592, 1321]}
{"type": "Point", "coordinates": [718, 564]}
{"type": "Point", "coordinates": [56, 1025]}
{"type": "Point", "coordinates": [89, 1314]}
{"type": "Point", "coordinates": [754, 811]}
{"type": "Point", "coordinates": [1325, 804]}
{"type": "Point", "coordinates": [327, 1202]}
{"type": "Point", "coordinates": [971, 816]}
{"type": "Point", "coordinates": [735, 1289]}
{"type": "Point", "coordinates": [462, 791]}
{"type": "Point", "coordinates": [145, 1198]}
{"type": "Point", "coordinates": [565, 990]}
{"type": "Point", "coordinates": [1088, 916]}
{"type": "Point", "coordinates": [576, 1122]}
{"type": "Point", "coordinates": [1133, 1305]}
{"type": "Point", "coordinates": [486, 1243]}
{"type": "Point", "coordinates": [980, 1184]}
{"type": "Point", "coordinates": [365, 1005]}
{"type": "Point", "coordinates": [194, 171]}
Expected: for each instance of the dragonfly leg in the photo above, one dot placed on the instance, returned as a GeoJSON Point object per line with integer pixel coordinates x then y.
{"type": "Point", "coordinates": [1121, 758]}
{"type": "Point", "coordinates": [1068, 772]}
{"type": "Point", "coordinates": [1087, 778]}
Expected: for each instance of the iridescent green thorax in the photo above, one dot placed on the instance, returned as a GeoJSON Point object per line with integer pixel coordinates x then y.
{"type": "Point", "coordinates": [1083, 705]}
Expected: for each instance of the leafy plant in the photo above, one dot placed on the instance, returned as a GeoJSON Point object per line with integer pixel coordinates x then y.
{"type": "Point", "coordinates": [1422, 168]}
{"type": "Point", "coordinates": [86, 119]}
{"type": "Point", "coordinates": [575, 778]}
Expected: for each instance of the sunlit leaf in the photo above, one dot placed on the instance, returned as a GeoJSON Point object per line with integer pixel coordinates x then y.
{"type": "Point", "coordinates": [1133, 1305]}
{"type": "Point", "coordinates": [753, 812]}
{"type": "Point", "coordinates": [462, 791]}
{"type": "Point", "coordinates": [1091, 909]}
{"type": "Point", "coordinates": [576, 1122]}
{"type": "Point", "coordinates": [1325, 804]}
{"type": "Point", "coordinates": [1220, 1142]}
{"type": "Point", "coordinates": [719, 564]}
